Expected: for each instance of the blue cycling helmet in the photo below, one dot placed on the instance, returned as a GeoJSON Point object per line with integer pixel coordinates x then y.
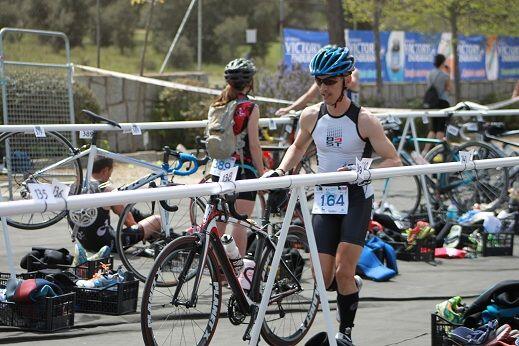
{"type": "Point", "coordinates": [332, 61]}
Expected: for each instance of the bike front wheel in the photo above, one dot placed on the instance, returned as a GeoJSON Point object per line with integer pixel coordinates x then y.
{"type": "Point", "coordinates": [24, 155]}
{"type": "Point", "coordinates": [167, 315]}
{"type": "Point", "coordinates": [294, 300]}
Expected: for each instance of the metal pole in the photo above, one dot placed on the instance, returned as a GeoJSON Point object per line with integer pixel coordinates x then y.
{"type": "Point", "coordinates": [199, 57]}
{"type": "Point", "coordinates": [281, 25]}
{"type": "Point", "coordinates": [98, 34]}
{"type": "Point", "coordinates": [307, 219]}
{"type": "Point", "coordinates": [422, 177]}
{"type": "Point", "coordinates": [148, 26]}
{"type": "Point", "coordinates": [177, 35]}
{"type": "Point", "coordinates": [273, 269]}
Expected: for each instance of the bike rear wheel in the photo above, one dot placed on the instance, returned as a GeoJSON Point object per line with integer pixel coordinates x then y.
{"type": "Point", "coordinates": [168, 320]}
{"type": "Point", "coordinates": [290, 315]}
{"type": "Point", "coordinates": [487, 187]}
{"type": "Point", "coordinates": [403, 193]}
{"type": "Point", "coordinates": [24, 154]}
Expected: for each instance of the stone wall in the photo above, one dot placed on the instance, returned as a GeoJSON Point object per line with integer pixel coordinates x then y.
{"type": "Point", "coordinates": [127, 101]}
{"type": "Point", "coordinates": [119, 100]}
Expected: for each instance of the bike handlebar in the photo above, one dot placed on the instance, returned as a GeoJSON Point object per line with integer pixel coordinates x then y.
{"type": "Point", "coordinates": [183, 158]}
{"type": "Point", "coordinates": [230, 200]}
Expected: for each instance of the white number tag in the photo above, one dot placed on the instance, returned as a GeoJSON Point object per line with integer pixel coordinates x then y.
{"type": "Point", "coordinates": [272, 124]}
{"type": "Point", "coordinates": [425, 119]}
{"type": "Point", "coordinates": [330, 200]}
{"type": "Point", "coordinates": [362, 168]}
{"type": "Point", "coordinates": [453, 130]}
{"type": "Point", "coordinates": [228, 175]}
{"type": "Point", "coordinates": [288, 128]}
{"type": "Point", "coordinates": [60, 190]}
{"type": "Point", "coordinates": [472, 127]}
{"type": "Point", "coordinates": [41, 192]}
{"type": "Point", "coordinates": [480, 118]}
{"type": "Point", "coordinates": [86, 134]}
{"type": "Point", "coordinates": [466, 156]}
{"type": "Point", "coordinates": [136, 130]}
{"type": "Point", "coordinates": [222, 165]}
{"type": "Point", "coordinates": [39, 132]}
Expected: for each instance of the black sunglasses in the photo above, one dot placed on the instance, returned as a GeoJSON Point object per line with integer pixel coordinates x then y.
{"type": "Point", "coordinates": [325, 81]}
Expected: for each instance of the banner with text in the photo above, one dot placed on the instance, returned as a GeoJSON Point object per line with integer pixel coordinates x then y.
{"type": "Point", "coordinates": [408, 56]}
{"type": "Point", "coordinates": [301, 45]}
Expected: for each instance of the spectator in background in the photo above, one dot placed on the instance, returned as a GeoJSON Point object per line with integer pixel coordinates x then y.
{"type": "Point", "coordinates": [439, 78]}
{"type": "Point", "coordinates": [515, 93]}
{"type": "Point", "coordinates": [353, 93]}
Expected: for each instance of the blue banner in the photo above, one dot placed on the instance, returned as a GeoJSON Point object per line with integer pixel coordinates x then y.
{"type": "Point", "coordinates": [508, 57]}
{"type": "Point", "coordinates": [471, 52]}
{"type": "Point", "coordinates": [362, 46]}
{"type": "Point", "coordinates": [301, 45]}
{"type": "Point", "coordinates": [419, 52]}
{"type": "Point", "coordinates": [408, 56]}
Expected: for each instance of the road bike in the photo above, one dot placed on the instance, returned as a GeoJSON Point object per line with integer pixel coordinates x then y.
{"type": "Point", "coordinates": [183, 294]}
{"type": "Point", "coordinates": [485, 187]}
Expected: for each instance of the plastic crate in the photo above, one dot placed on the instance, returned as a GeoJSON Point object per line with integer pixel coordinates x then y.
{"type": "Point", "coordinates": [498, 244]}
{"type": "Point", "coordinates": [116, 300]}
{"type": "Point", "coordinates": [440, 329]}
{"type": "Point", "coordinates": [49, 315]}
{"type": "Point", "coordinates": [423, 251]}
{"type": "Point", "coordinates": [89, 268]}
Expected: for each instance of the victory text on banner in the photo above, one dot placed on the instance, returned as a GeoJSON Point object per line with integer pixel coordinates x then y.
{"type": "Point", "coordinates": [408, 56]}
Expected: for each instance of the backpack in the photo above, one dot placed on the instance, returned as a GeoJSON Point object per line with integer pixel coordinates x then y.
{"type": "Point", "coordinates": [431, 98]}
{"type": "Point", "coordinates": [221, 141]}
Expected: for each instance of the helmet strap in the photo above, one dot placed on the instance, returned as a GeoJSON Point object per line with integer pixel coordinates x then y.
{"type": "Point", "coordinates": [342, 93]}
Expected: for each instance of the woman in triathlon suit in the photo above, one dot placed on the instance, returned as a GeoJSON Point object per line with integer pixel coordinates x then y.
{"type": "Point", "coordinates": [342, 132]}
{"type": "Point", "coordinates": [239, 77]}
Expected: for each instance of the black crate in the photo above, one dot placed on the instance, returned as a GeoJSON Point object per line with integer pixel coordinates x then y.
{"type": "Point", "coordinates": [498, 244]}
{"type": "Point", "coordinates": [49, 315]}
{"type": "Point", "coordinates": [423, 251]}
{"type": "Point", "coordinates": [116, 300]}
{"type": "Point", "coordinates": [89, 268]}
{"type": "Point", "coordinates": [440, 329]}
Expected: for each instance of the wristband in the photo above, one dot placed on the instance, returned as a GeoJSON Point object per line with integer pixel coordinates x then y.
{"type": "Point", "coordinates": [282, 170]}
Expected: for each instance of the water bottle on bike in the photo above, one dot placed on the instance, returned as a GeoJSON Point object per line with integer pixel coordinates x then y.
{"type": "Point", "coordinates": [232, 253]}
{"type": "Point", "coordinates": [246, 275]}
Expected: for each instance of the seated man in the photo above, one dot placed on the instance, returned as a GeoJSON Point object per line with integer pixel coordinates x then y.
{"type": "Point", "coordinates": [94, 230]}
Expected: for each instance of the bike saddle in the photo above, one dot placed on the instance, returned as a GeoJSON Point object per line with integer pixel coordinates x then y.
{"type": "Point", "coordinates": [100, 119]}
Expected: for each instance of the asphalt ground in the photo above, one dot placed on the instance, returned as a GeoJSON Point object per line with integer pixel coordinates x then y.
{"type": "Point", "coordinates": [396, 312]}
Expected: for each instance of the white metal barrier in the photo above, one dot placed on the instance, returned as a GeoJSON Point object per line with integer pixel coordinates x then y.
{"type": "Point", "coordinates": [264, 122]}
{"type": "Point", "coordinates": [295, 183]}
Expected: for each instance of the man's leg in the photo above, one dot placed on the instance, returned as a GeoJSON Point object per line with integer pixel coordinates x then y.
{"type": "Point", "coordinates": [347, 292]}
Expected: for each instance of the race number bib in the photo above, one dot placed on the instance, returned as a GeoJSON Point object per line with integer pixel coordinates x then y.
{"type": "Point", "coordinates": [330, 200]}
{"type": "Point", "coordinates": [228, 175]}
{"type": "Point", "coordinates": [222, 165]}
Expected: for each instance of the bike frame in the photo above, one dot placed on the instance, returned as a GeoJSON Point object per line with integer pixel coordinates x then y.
{"type": "Point", "coordinates": [209, 240]}
{"type": "Point", "coordinates": [158, 172]}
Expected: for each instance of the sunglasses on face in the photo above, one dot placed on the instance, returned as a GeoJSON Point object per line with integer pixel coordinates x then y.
{"type": "Point", "coordinates": [325, 81]}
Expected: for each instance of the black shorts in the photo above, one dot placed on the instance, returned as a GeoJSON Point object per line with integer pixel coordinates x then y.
{"type": "Point", "coordinates": [332, 229]}
{"type": "Point", "coordinates": [439, 124]}
{"type": "Point", "coordinates": [243, 174]}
